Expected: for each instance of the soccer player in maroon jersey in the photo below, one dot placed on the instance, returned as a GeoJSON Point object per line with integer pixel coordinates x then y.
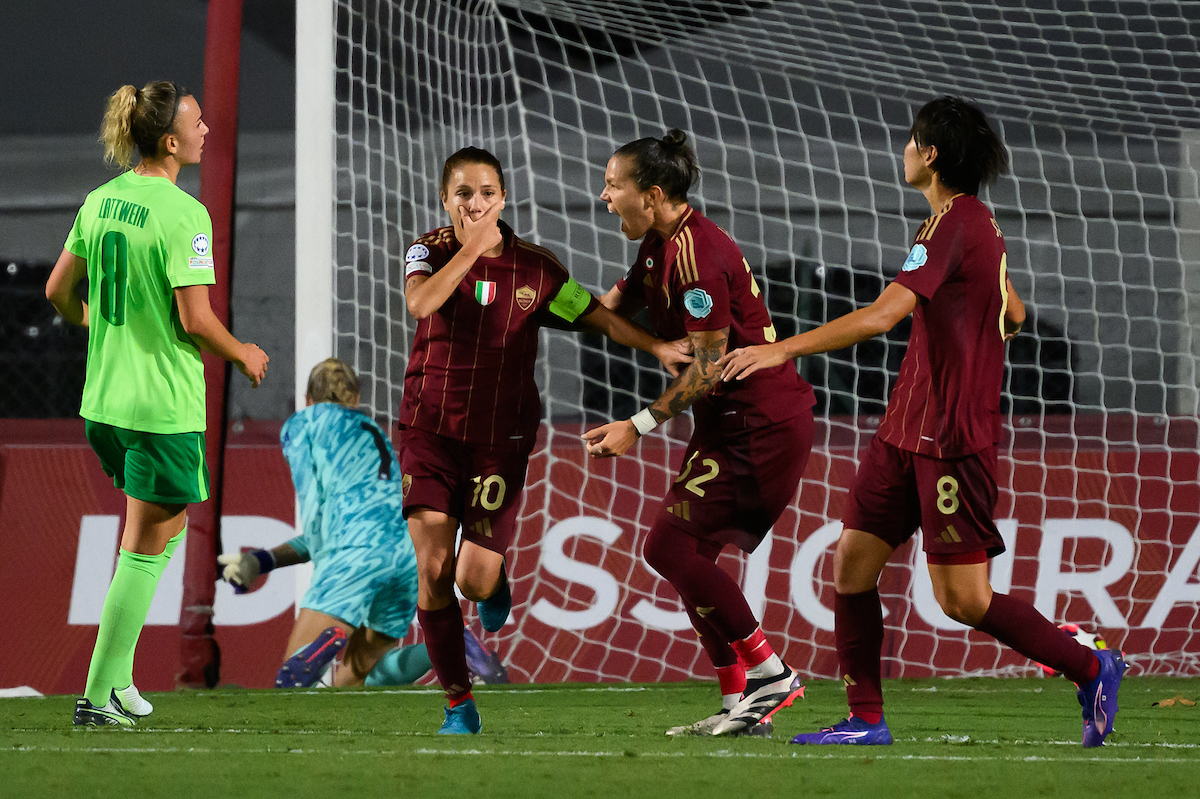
{"type": "Point", "coordinates": [751, 439]}
{"type": "Point", "coordinates": [933, 462]}
{"type": "Point", "coordinates": [470, 411]}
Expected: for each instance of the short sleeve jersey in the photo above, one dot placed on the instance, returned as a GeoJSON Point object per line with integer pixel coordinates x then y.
{"type": "Point", "coordinates": [470, 376]}
{"type": "Point", "coordinates": [946, 401]}
{"type": "Point", "coordinates": [699, 280]}
{"type": "Point", "coordinates": [142, 237]}
{"type": "Point", "coordinates": [347, 479]}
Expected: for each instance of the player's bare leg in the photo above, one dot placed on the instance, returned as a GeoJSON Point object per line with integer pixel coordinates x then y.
{"type": "Point", "coordinates": [317, 638]}
{"type": "Point", "coordinates": [364, 649]}
{"type": "Point", "coordinates": [481, 578]}
{"type": "Point", "coordinates": [962, 590]}
{"type": "Point", "coordinates": [150, 525]}
{"type": "Point", "coordinates": [858, 561]}
{"type": "Point", "coordinates": [440, 616]}
{"type": "Point", "coordinates": [433, 534]}
{"type": "Point", "coordinates": [310, 624]}
{"type": "Point", "coordinates": [478, 571]}
{"type": "Point", "coordinates": [965, 595]}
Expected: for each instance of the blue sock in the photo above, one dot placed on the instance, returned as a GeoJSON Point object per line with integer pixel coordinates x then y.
{"type": "Point", "coordinates": [401, 666]}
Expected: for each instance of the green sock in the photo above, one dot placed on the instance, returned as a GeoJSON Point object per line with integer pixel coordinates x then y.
{"type": "Point", "coordinates": [401, 666]}
{"type": "Point", "coordinates": [121, 620]}
{"type": "Point", "coordinates": [123, 676]}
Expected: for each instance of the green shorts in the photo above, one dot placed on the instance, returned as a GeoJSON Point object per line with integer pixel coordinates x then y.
{"type": "Point", "coordinates": [165, 468]}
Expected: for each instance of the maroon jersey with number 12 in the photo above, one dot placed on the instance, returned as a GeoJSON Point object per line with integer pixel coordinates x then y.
{"type": "Point", "coordinates": [699, 280]}
{"type": "Point", "coordinates": [946, 402]}
{"type": "Point", "coordinates": [470, 374]}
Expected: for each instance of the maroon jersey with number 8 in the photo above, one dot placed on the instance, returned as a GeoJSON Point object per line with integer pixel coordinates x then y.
{"type": "Point", "coordinates": [946, 402]}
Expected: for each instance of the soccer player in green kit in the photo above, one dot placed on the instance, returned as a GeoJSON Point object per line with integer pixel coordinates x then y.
{"type": "Point", "coordinates": [145, 247]}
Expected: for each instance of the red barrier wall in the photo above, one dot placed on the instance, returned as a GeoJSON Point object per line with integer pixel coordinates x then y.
{"type": "Point", "coordinates": [1145, 499]}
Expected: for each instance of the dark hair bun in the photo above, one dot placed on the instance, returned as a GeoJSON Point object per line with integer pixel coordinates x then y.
{"type": "Point", "coordinates": [668, 163]}
{"type": "Point", "coordinates": [674, 139]}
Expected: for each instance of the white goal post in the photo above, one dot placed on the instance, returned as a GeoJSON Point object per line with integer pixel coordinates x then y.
{"type": "Point", "coordinates": [799, 112]}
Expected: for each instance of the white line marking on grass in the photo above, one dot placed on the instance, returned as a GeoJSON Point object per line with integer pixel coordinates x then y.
{"type": "Point", "coordinates": [615, 689]}
{"type": "Point", "coordinates": [948, 740]}
{"type": "Point", "coordinates": [875, 755]}
{"type": "Point", "coordinates": [966, 739]}
{"type": "Point", "coordinates": [723, 753]}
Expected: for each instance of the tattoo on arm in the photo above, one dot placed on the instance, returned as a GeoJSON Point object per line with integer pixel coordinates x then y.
{"type": "Point", "coordinates": [699, 378]}
{"type": "Point", "coordinates": [414, 281]}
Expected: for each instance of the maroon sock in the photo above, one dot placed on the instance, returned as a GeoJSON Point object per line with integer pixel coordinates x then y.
{"type": "Point", "coordinates": [701, 583]}
{"type": "Point", "coordinates": [447, 652]}
{"type": "Point", "coordinates": [858, 635]}
{"type": "Point", "coordinates": [1020, 626]}
{"type": "Point", "coordinates": [717, 648]}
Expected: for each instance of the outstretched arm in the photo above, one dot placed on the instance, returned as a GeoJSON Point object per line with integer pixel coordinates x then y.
{"type": "Point", "coordinates": [895, 303]}
{"type": "Point", "coordinates": [698, 379]}
{"type": "Point", "coordinates": [673, 354]}
{"type": "Point", "coordinates": [621, 303]}
{"type": "Point", "coordinates": [241, 569]}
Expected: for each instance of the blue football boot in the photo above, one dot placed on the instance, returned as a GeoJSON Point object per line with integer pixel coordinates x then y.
{"type": "Point", "coordinates": [462, 719]}
{"type": "Point", "coordinates": [304, 669]}
{"type": "Point", "coordinates": [1099, 698]}
{"type": "Point", "coordinates": [483, 662]}
{"type": "Point", "coordinates": [493, 611]}
{"type": "Point", "coordinates": [849, 731]}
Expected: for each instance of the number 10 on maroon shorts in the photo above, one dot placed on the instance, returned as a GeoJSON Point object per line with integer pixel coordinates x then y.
{"type": "Point", "coordinates": [952, 501]}
{"type": "Point", "coordinates": [479, 485]}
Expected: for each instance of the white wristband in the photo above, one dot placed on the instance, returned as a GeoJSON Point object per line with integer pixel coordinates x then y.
{"type": "Point", "coordinates": [644, 421]}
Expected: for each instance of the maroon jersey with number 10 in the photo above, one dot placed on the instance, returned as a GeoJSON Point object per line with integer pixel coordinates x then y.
{"type": "Point", "coordinates": [946, 402]}
{"type": "Point", "coordinates": [470, 374]}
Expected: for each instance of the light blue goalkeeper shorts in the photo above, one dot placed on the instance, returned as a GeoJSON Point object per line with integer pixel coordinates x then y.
{"type": "Point", "coordinates": [371, 587]}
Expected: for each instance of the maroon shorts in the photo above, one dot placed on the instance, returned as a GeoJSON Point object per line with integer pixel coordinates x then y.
{"type": "Point", "coordinates": [952, 501]}
{"type": "Point", "coordinates": [736, 480]}
{"type": "Point", "coordinates": [478, 485]}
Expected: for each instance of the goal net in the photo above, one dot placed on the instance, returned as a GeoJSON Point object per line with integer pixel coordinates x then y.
{"type": "Point", "coordinates": [799, 112]}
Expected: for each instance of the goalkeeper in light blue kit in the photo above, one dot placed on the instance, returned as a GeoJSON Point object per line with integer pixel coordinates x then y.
{"type": "Point", "coordinates": [363, 593]}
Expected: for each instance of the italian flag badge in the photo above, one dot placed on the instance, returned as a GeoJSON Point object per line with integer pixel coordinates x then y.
{"type": "Point", "coordinates": [485, 291]}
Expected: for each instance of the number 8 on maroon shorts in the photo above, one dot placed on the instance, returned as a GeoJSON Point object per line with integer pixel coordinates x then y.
{"type": "Point", "coordinates": [479, 485]}
{"type": "Point", "coordinates": [952, 501]}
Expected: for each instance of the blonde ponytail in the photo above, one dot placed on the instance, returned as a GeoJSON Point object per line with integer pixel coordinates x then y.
{"type": "Point", "coordinates": [116, 131]}
{"type": "Point", "coordinates": [139, 118]}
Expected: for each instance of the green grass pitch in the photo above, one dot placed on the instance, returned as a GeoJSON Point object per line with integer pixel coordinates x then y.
{"type": "Point", "coordinates": [969, 738]}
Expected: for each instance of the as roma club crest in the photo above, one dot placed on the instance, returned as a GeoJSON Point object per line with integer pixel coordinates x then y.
{"type": "Point", "coordinates": [485, 291]}
{"type": "Point", "coordinates": [525, 297]}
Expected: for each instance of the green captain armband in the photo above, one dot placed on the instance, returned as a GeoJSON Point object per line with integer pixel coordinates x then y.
{"type": "Point", "coordinates": [572, 300]}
